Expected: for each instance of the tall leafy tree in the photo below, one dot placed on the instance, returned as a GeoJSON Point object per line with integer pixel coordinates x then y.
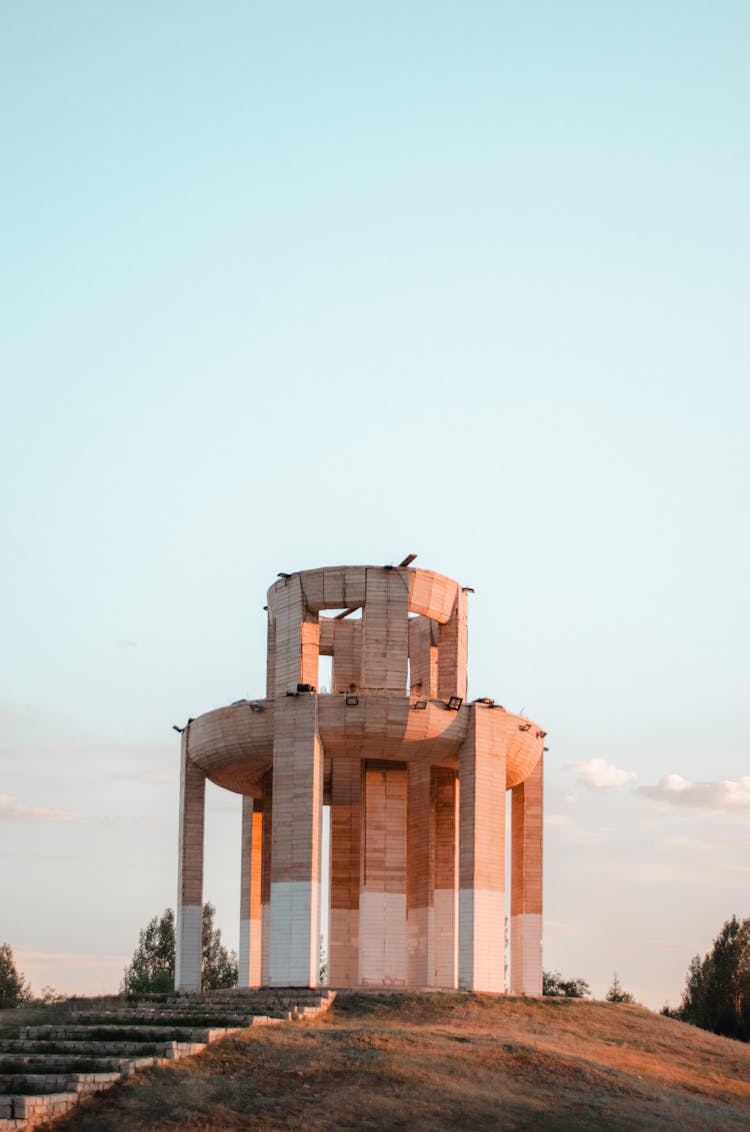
{"type": "Point", "coordinates": [219, 967]}
{"type": "Point", "coordinates": [14, 990]}
{"type": "Point", "coordinates": [717, 987]}
{"type": "Point", "coordinates": [152, 968]}
{"type": "Point", "coordinates": [555, 986]}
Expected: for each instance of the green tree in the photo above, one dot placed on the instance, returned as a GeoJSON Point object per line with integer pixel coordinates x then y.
{"type": "Point", "coordinates": [219, 967]}
{"type": "Point", "coordinates": [152, 968]}
{"type": "Point", "coordinates": [717, 987]}
{"type": "Point", "coordinates": [616, 992]}
{"type": "Point", "coordinates": [14, 990]}
{"type": "Point", "coordinates": [555, 986]}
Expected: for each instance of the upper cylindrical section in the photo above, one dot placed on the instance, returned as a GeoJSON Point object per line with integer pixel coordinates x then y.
{"type": "Point", "coordinates": [379, 651]}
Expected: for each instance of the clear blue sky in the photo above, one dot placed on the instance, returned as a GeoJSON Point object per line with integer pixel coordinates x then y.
{"type": "Point", "coordinates": [285, 285]}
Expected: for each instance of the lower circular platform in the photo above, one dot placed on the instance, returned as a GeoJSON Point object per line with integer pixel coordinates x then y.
{"type": "Point", "coordinates": [233, 745]}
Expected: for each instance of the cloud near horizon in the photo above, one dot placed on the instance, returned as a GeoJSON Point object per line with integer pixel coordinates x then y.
{"type": "Point", "coordinates": [598, 774]}
{"type": "Point", "coordinates": [725, 795]}
{"type": "Point", "coordinates": [12, 810]}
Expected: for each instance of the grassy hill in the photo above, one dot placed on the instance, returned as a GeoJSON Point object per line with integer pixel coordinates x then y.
{"type": "Point", "coordinates": [445, 1061]}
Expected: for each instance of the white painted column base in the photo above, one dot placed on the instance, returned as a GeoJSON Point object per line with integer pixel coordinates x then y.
{"type": "Point", "coordinates": [265, 962]}
{"type": "Point", "coordinates": [420, 942]}
{"type": "Point", "coordinates": [244, 954]}
{"type": "Point", "coordinates": [382, 936]}
{"type": "Point", "coordinates": [526, 954]}
{"type": "Point", "coordinates": [188, 931]}
{"type": "Point", "coordinates": [444, 931]}
{"type": "Point", "coordinates": [294, 936]}
{"type": "Point", "coordinates": [343, 947]}
{"type": "Point", "coordinates": [481, 955]}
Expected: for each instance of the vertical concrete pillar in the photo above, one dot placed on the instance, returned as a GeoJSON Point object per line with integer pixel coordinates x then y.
{"type": "Point", "coordinates": [527, 817]}
{"type": "Point", "coordinates": [296, 637]}
{"type": "Point", "coordinates": [445, 899]}
{"type": "Point", "coordinates": [343, 938]}
{"type": "Point", "coordinates": [295, 856]}
{"type": "Point", "coordinates": [250, 913]}
{"type": "Point", "coordinates": [382, 902]}
{"type": "Point", "coordinates": [482, 777]}
{"type": "Point", "coordinates": [347, 655]}
{"type": "Point", "coordinates": [265, 879]}
{"type": "Point", "coordinates": [423, 657]}
{"type": "Point", "coordinates": [190, 873]}
{"type": "Point", "coordinates": [385, 630]}
{"type": "Point", "coordinates": [420, 875]}
{"type": "Point", "coordinates": [271, 657]}
{"type": "Point", "coordinates": [452, 650]}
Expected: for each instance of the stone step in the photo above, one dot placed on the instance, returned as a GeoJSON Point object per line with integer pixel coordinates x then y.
{"type": "Point", "coordinates": [190, 1006]}
{"type": "Point", "coordinates": [284, 999]}
{"type": "Point", "coordinates": [39, 1084]}
{"type": "Point", "coordinates": [22, 1048]}
{"type": "Point", "coordinates": [15, 1047]}
{"type": "Point", "coordinates": [64, 1063]}
{"type": "Point", "coordinates": [125, 1033]}
{"type": "Point", "coordinates": [194, 1019]}
{"type": "Point", "coordinates": [20, 1113]}
{"type": "Point", "coordinates": [45, 1069]}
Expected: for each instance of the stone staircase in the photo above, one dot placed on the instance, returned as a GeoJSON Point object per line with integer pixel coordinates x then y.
{"type": "Point", "coordinates": [46, 1069]}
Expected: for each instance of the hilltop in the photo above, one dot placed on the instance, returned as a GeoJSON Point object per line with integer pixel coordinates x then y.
{"type": "Point", "coordinates": [444, 1061]}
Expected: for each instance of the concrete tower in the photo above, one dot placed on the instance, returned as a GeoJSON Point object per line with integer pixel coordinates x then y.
{"type": "Point", "coordinates": [416, 780]}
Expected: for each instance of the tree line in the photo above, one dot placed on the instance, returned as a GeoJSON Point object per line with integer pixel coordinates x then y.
{"type": "Point", "coordinates": [717, 987]}
{"type": "Point", "coordinates": [555, 986]}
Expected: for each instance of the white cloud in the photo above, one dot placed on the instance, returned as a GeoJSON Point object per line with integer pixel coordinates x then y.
{"type": "Point", "coordinates": [9, 809]}
{"type": "Point", "coordinates": [726, 795]}
{"type": "Point", "coordinates": [158, 777]}
{"type": "Point", "coordinates": [598, 773]}
{"type": "Point", "coordinates": [728, 842]}
{"type": "Point", "coordinates": [573, 833]}
{"type": "Point", "coordinates": [561, 928]}
{"type": "Point", "coordinates": [667, 944]}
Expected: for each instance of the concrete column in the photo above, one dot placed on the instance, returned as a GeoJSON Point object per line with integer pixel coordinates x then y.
{"type": "Point", "coordinates": [189, 925]}
{"type": "Point", "coordinates": [527, 815]}
{"type": "Point", "coordinates": [347, 655]}
{"type": "Point", "coordinates": [271, 657]}
{"type": "Point", "coordinates": [265, 879]}
{"type": "Point", "coordinates": [250, 904]}
{"type": "Point", "coordinates": [452, 650]}
{"type": "Point", "coordinates": [385, 630]}
{"type": "Point", "coordinates": [382, 906]}
{"type": "Point", "coordinates": [444, 972]}
{"type": "Point", "coordinates": [295, 856]}
{"type": "Point", "coordinates": [343, 936]}
{"type": "Point", "coordinates": [482, 777]}
{"type": "Point", "coordinates": [420, 876]}
{"type": "Point", "coordinates": [423, 657]}
{"type": "Point", "coordinates": [295, 639]}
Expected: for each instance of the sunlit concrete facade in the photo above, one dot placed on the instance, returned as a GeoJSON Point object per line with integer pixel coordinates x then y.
{"type": "Point", "coordinates": [416, 780]}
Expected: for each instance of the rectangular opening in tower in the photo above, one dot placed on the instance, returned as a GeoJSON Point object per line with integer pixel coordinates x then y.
{"type": "Point", "coordinates": [325, 674]}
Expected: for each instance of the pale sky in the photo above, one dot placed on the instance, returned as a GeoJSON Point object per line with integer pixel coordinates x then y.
{"type": "Point", "coordinates": [287, 285]}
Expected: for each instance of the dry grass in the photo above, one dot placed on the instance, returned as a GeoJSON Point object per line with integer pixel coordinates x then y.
{"type": "Point", "coordinates": [445, 1061]}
